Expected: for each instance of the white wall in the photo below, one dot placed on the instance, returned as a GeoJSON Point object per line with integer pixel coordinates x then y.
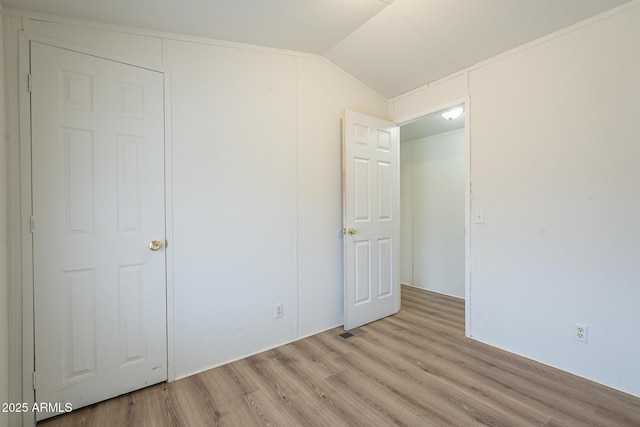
{"type": "Point", "coordinates": [257, 198]}
{"type": "Point", "coordinates": [13, 271]}
{"type": "Point", "coordinates": [433, 168]}
{"type": "Point", "coordinates": [4, 244]}
{"type": "Point", "coordinates": [256, 185]}
{"type": "Point", "coordinates": [234, 215]}
{"type": "Point", "coordinates": [555, 165]}
{"type": "Point", "coordinates": [323, 92]}
{"type": "Point", "coordinates": [430, 99]}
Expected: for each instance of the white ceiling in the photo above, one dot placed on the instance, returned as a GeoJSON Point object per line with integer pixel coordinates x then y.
{"type": "Point", "coordinates": [433, 124]}
{"type": "Point", "coordinates": [391, 45]}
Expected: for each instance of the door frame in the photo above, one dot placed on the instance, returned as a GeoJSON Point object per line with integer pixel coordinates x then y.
{"type": "Point", "coordinates": [467, 194]}
{"type": "Point", "coordinates": [24, 331]}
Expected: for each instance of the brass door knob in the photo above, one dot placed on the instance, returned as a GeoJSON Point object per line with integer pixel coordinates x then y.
{"type": "Point", "coordinates": [352, 231]}
{"type": "Point", "coordinates": [155, 245]}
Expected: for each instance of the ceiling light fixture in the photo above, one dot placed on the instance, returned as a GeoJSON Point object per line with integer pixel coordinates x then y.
{"type": "Point", "coordinates": [454, 113]}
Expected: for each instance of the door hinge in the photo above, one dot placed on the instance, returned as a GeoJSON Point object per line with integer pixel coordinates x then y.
{"type": "Point", "coordinates": [34, 380]}
{"type": "Point", "coordinates": [30, 82]}
{"type": "Point", "coordinates": [32, 224]}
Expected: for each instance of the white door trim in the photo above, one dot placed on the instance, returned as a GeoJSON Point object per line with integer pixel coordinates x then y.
{"type": "Point", "coordinates": [467, 196]}
{"type": "Point", "coordinates": [24, 332]}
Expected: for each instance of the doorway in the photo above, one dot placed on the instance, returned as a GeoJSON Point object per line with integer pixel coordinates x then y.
{"type": "Point", "coordinates": [433, 203]}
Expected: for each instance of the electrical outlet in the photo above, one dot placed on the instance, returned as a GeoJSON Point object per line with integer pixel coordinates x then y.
{"type": "Point", "coordinates": [580, 332]}
{"type": "Point", "coordinates": [278, 311]}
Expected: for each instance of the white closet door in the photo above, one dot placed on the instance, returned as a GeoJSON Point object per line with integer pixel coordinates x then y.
{"type": "Point", "coordinates": [98, 203]}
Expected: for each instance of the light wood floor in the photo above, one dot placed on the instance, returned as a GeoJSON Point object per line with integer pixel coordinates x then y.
{"type": "Point", "coordinates": [415, 369]}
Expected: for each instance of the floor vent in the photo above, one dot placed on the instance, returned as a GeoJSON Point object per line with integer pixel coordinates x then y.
{"type": "Point", "coordinates": [351, 333]}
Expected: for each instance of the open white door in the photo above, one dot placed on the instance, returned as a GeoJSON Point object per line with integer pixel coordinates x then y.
{"type": "Point", "coordinates": [371, 170]}
{"type": "Point", "coordinates": [98, 202]}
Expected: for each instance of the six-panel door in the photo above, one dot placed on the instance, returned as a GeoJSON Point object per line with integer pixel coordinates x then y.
{"type": "Point", "coordinates": [371, 219]}
{"type": "Point", "coordinates": [98, 201]}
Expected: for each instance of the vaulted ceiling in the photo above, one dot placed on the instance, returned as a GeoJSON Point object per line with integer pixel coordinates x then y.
{"type": "Point", "coordinates": [393, 46]}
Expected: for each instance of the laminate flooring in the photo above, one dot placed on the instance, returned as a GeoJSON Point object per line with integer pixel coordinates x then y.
{"type": "Point", "coordinates": [415, 368]}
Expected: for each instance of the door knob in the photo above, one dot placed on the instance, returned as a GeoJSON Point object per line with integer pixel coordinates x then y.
{"type": "Point", "coordinates": [155, 245]}
{"type": "Point", "coordinates": [352, 231]}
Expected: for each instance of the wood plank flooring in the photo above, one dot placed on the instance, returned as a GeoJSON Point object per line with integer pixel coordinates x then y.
{"type": "Point", "coordinates": [413, 369]}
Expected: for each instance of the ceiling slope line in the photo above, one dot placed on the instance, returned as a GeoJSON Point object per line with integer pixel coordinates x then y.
{"type": "Point", "coordinates": [426, 36]}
